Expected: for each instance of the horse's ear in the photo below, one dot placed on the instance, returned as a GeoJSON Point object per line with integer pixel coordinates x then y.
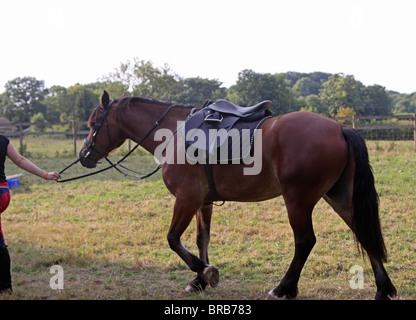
{"type": "Point", "coordinates": [105, 100]}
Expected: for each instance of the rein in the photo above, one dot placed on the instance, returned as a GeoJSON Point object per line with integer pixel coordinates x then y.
{"type": "Point", "coordinates": [114, 165]}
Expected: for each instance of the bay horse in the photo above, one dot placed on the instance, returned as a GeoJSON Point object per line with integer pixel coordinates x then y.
{"type": "Point", "coordinates": [305, 157]}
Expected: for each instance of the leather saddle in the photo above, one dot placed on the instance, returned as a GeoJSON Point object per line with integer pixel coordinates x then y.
{"type": "Point", "coordinates": [208, 129]}
{"type": "Point", "coordinates": [224, 106]}
{"type": "Point", "coordinates": [222, 116]}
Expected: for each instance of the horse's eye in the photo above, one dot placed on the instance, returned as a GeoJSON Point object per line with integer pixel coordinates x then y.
{"type": "Point", "coordinates": [92, 124]}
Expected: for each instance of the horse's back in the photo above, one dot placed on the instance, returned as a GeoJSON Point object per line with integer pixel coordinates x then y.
{"type": "Point", "coordinates": [306, 123]}
{"type": "Point", "coordinates": [309, 149]}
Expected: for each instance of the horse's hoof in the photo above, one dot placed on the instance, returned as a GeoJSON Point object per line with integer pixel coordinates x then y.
{"type": "Point", "coordinates": [211, 275]}
{"type": "Point", "coordinates": [191, 288]}
{"type": "Point", "coordinates": [196, 285]}
{"type": "Point", "coordinates": [272, 296]}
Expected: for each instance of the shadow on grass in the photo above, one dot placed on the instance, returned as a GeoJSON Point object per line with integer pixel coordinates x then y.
{"type": "Point", "coordinates": [94, 279]}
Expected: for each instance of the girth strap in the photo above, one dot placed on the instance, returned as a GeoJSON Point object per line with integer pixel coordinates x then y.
{"type": "Point", "coordinates": [211, 184]}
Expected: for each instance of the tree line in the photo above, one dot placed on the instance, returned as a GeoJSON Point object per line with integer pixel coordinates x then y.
{"type": "Point", "coordinates": [27, 99]}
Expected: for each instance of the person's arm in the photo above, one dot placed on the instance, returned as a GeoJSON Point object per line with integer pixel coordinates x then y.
{"type": "Point", "coordinates": [29, 166]}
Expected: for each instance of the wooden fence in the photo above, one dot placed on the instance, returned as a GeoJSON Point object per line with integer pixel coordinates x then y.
{"type": "Point", "coordinates": [21, 129]}
{"type": "Point", "coordinates": [78, 129]}
{"type": "Point", "coordinates": [390, 127]}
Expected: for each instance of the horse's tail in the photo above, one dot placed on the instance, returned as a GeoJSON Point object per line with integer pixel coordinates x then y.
{"type": "Point", "coordinates": [365, 215]}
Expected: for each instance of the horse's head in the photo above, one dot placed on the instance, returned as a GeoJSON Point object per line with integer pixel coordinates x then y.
{"type": "Point", "coordinates": [104, 135]}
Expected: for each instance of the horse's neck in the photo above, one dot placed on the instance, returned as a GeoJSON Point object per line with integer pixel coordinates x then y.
{"type": "Point", "coordinates": [141, 120]}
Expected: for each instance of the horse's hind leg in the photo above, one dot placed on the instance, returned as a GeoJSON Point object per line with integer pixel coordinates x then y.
{"type": "Point", "coordinates": [300, 218]}
{"type": "Point", "coordinates": [183, 213]}
{"type": "Point", "coordinates": [203, 222]}
{"type": "Point", "coordinates": [340, 199]}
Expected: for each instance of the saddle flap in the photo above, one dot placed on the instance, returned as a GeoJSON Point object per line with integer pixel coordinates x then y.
{"type": "Point", "coordinates": [196, 130]}
{"type": "Point", "coordinates": [222, 123]}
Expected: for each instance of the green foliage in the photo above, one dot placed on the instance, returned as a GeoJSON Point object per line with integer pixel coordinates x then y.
{"type": "Point", "coordinates": [306, 86]}
{"type": "Point", "coordinates": [317, 77]}
{"type": "Point", "coordinates": [38, 118]}
{"type": "Point", "coordinates": [345, 112]}
{"type": "Point", "coordinates": [23, 98]}
{"type": "Point", "coordinates": [141, 78]}
{"type": "Point", "coordinates": [198, 90]}
{"type": "Point", "coordinates": [72, 104]}
{"type": "Point", "coordinates": [376, 101]}
{"type": "Point", "coordinates": [309, 109]}
{"type": "Point", "coordinates": [341, 91]}
{"type": "Point", "coordinates": [319, 92]}
{"type": "Point", "coordinates": [407, 104]}
{"type": "Point", "coordinates": [253, 87]}
{"type": "Point", "coordinates": [344, 91]}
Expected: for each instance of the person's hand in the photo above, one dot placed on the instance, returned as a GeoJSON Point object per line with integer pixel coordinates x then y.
{"type": "Point", "coordinates": [52, 176]}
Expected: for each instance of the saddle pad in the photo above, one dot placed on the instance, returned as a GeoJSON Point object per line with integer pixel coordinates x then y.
{"type": "Point", "coordinates": [239, 135]}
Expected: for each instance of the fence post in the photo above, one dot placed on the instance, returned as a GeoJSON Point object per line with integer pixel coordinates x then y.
{"type": "Point", "coordinates": [414, 128]}
{"type": "Point", "coordinates": [74, 135]}
{"type": "Point", "coordinates": [353, 121]}
{"type": "Point", "coordinates": [21, 136]}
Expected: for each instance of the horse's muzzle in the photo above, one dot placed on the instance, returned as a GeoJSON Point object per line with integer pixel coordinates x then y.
{"type": "Point", "coordinates": [86, 159]}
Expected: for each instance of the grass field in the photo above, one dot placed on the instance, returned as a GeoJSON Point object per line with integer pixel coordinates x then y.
{"type": "Point", "coordinates": [109, 235]}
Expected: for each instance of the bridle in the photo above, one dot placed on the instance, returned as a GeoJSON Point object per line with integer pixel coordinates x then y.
{"type": "Point", "coordinates": [90, 147]}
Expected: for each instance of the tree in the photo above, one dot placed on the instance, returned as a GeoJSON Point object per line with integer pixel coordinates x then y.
{"type": "Point", "coordinates": [56, 101]}
{"type": "Point", "coordinates": [82, 102]}
{"type": "Point", "coordinates": [407, 104]}
{"type": "Point", "coordinates": [38, 118]}
{"type": "Point", "coordinates": [396, 97]}
{"type": "Point", "coordinates": [141, 78]}
{"type": "Point", "coordinates": [73, 104]}
{"type": "Point", "coordinates": [342, 91]}
{"type": "Point", "coordinates": [376, 101]}
{"type": "Point", "coordinates": [313, 101]}
{"type": "Point", "coordinates": [317, 77]}
{"type": "Point", "coordinates": [306, 86]}
{"type": "Point", "coordinates": [195, 91]}
{"type": "Point", "coordinates": [6, 106]}
{"type": "Point", "coordinates": [23, 98]}
{"type": "Point", "coordinates": [253, 87]}
{"type": "Point", "coordinates": [114, 88]}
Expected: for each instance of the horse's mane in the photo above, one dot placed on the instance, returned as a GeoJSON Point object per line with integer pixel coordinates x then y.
{"type": "Point", "coordinates": [125, 103]}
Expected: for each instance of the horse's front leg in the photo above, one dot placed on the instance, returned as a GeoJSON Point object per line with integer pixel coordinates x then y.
{"type": "Point", "coordinates": [203, 223]}
{"type": "Point", "coordinates": [183, 213]}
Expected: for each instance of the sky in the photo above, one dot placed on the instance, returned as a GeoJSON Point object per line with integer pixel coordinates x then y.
{"type": "Point", "coordinates": [78, 41]}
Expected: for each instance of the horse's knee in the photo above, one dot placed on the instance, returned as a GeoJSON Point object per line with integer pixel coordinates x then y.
{"type": "Point", "coordinates": [173, 240]}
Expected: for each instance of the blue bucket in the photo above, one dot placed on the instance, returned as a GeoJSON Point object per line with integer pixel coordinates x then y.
{"type": "Point", "coordinates": [13, 183]}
